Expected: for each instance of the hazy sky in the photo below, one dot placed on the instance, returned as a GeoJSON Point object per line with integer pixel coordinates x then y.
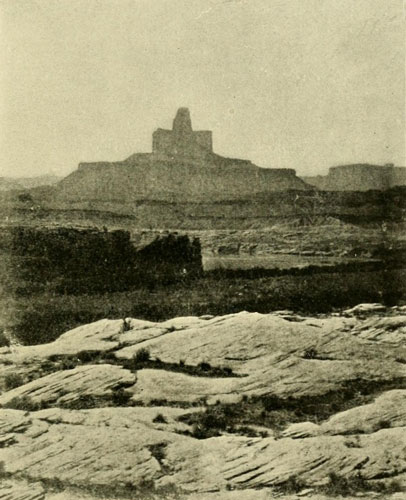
{"type": "Point", "coordinates": [304, 84]}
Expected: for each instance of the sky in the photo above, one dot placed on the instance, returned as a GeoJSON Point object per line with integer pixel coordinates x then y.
{"type": "Point", "coordinates": [303, 84]}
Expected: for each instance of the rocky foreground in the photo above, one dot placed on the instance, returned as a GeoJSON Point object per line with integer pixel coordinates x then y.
{"type": "Point", "coordinates": [243, 406]}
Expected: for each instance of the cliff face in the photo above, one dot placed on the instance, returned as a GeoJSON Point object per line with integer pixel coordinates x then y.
{"type": "Point", "coordinates": [155, 177]}
{"type": "Point", "coordinates": [360, 177]}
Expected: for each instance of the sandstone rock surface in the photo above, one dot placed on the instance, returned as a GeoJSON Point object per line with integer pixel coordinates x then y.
{"type": "Point", "coordinates": [68, 385]}
{"type": "Point", "coordinates": [58, 453]}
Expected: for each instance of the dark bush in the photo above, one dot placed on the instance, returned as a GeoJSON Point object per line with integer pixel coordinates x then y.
{"type": "Point", "coordinates": [204, 366]}
{"type": "Point", "coordinates": [158, 451]}
{"type": "Point", "coordinates": [210, 423]}
{"type": "Point", "coordinates": [24, 403]}
{"type": "Point", "coordinates": [159, 402]}
{"type": "Point", "coordinates": [272, 403]}
{"type": "Point", "coordinates": [13, 380]}
{"type": "Point", "coordinates": [120, 397]}
{"type": "Point", "coordinates": [141, 356]}
{"type": "Point", "coordinates": [160, 419]}
{"type": "Point", "coordinates": [84, 402]}
{"type": "Point", "coordinates": [291, 485]}
{"type": "Point", "coordinates": [310, 353]}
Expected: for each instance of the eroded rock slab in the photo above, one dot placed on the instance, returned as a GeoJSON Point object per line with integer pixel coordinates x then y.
{"type": "Point", "coordinates": [121, 446]}
{"type": "Point", "coordinates": [69, 385]}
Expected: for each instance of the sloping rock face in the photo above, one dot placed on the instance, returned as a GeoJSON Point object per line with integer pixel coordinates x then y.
{"type": "Point", "coordinates": [153, 177]}
{"type": "Point", "coordinates": [96, 449]}
{"type": "Point", "coordinates": [66, 386]}
{"type": "Point", "coordinates": [154, 451]}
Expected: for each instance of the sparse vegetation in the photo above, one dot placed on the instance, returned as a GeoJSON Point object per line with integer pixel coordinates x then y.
{"type": "Point", "coordinates": [44, 316]}
{"type": "Point", "coordinates": [291, 485]}
{"type": "Point", "coordinates": [24, 403]}
{"type": "Point", "coordinates": [141, 356]}
{"type": "Point", "coordinates": [158, 451]}
{"type": "Point", "coordinates": [341, 486]}
{"type": "Point", "coordinates": [120, 397]}
{"type": "Point", "coordinates": [13, 380]}
{"type": "Point", "coordinates": [203, 369]}
{"type": "Point", "coordinates": [276, 413]}
{"type": "Point", "coordinates": [160, 419]}
{"type": "Point", "coordinates": [310, 353]}
{"type": "Point", "coordinates": [346, 486]}
{"type": "Point", "coordinates": [204, 366]}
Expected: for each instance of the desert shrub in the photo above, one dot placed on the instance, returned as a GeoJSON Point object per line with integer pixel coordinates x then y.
{"type": "Point", "coordinates": [348, 486]}
{"type": "Point", "coordinates": [110, 357]}
{"type": "Point", "coordinates": [204, 366]}
{"type": "Point", "coordinates": [340, 485]}
{"type": "Point", "coordinates": [201, 432]}
{"type": "Point", "coordinates": [214, 420]}
{"type": "Point", "coordinates": [47, 366]}
{"type": "Point", "coordinates": [245, 430]}
{"type": "Point", "coordinates": [83, 402]}
{"type": "Point", "coordinates": [141, 356]}
{"type": "Point", "coordinates": [384, 424]}
{"type": "Point", "coordinates": [160, 419]}
{"type": "Point", "coordinates": [158, 451]}
{"type": "Point", "coordinates": [24, 403]}
{"type": "Point", "coordinates": [67, 364]}
{"type": "Point", "coordinates": [227, 370]}
{"type": "Point", "coordinates": [291, 485]}
{"type": "Point", "coordinates": [181, 362]}
{"type": "Point", "coordinates": [126, 325]}
{"type": "Point", "coordinates": [4, 341]}
{"type": "Point", "coordinates": [87, 356]}
{"type": "Point", "coordinates": [210, 423]}
{"type": "Point", "coordinates": [120, 397]}
{"type": "Point", "coordinates": [159, 402]}
{"type": "Point", "coordinates": [310, 353]}
{"type": "Point", "coordinates": [13, 380]}
{"type": "Point", "coordinates": [3, 473]}
{"type": "Point", "coordinates": [271, 403]}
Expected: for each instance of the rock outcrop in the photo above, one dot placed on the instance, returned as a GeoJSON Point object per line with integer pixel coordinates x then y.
{"type": "Point", "coordinates": [359, 177]}
{"type": "Point", "coordinates": [182, 167]}
{"type": "Point", "coordinates": [353, 362]}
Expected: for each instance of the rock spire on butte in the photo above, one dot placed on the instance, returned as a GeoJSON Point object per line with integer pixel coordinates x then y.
{"type": "Point", "coordinates": [182, 140]}
{"type": "Point", "coordinates": [181, 167]}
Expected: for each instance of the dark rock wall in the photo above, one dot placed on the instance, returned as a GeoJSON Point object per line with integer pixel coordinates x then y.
{"type": "Point", "coordinates": [69, 260]}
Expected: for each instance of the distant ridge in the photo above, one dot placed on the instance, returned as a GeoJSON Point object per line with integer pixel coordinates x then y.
{"type": "Point", "coordinates": [181, 167]}
{"type": "Point", "coordinates": [359, 177]}
{"type": "Point", "coordinates": [10, 183]}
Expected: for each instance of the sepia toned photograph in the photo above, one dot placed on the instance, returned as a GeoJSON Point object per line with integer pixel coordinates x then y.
{"type": "Point", "coordinates": [202, 250]}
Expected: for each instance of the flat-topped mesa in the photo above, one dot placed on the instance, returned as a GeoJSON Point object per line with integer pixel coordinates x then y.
{"type": "Point", "coordinates": [182, 140]}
